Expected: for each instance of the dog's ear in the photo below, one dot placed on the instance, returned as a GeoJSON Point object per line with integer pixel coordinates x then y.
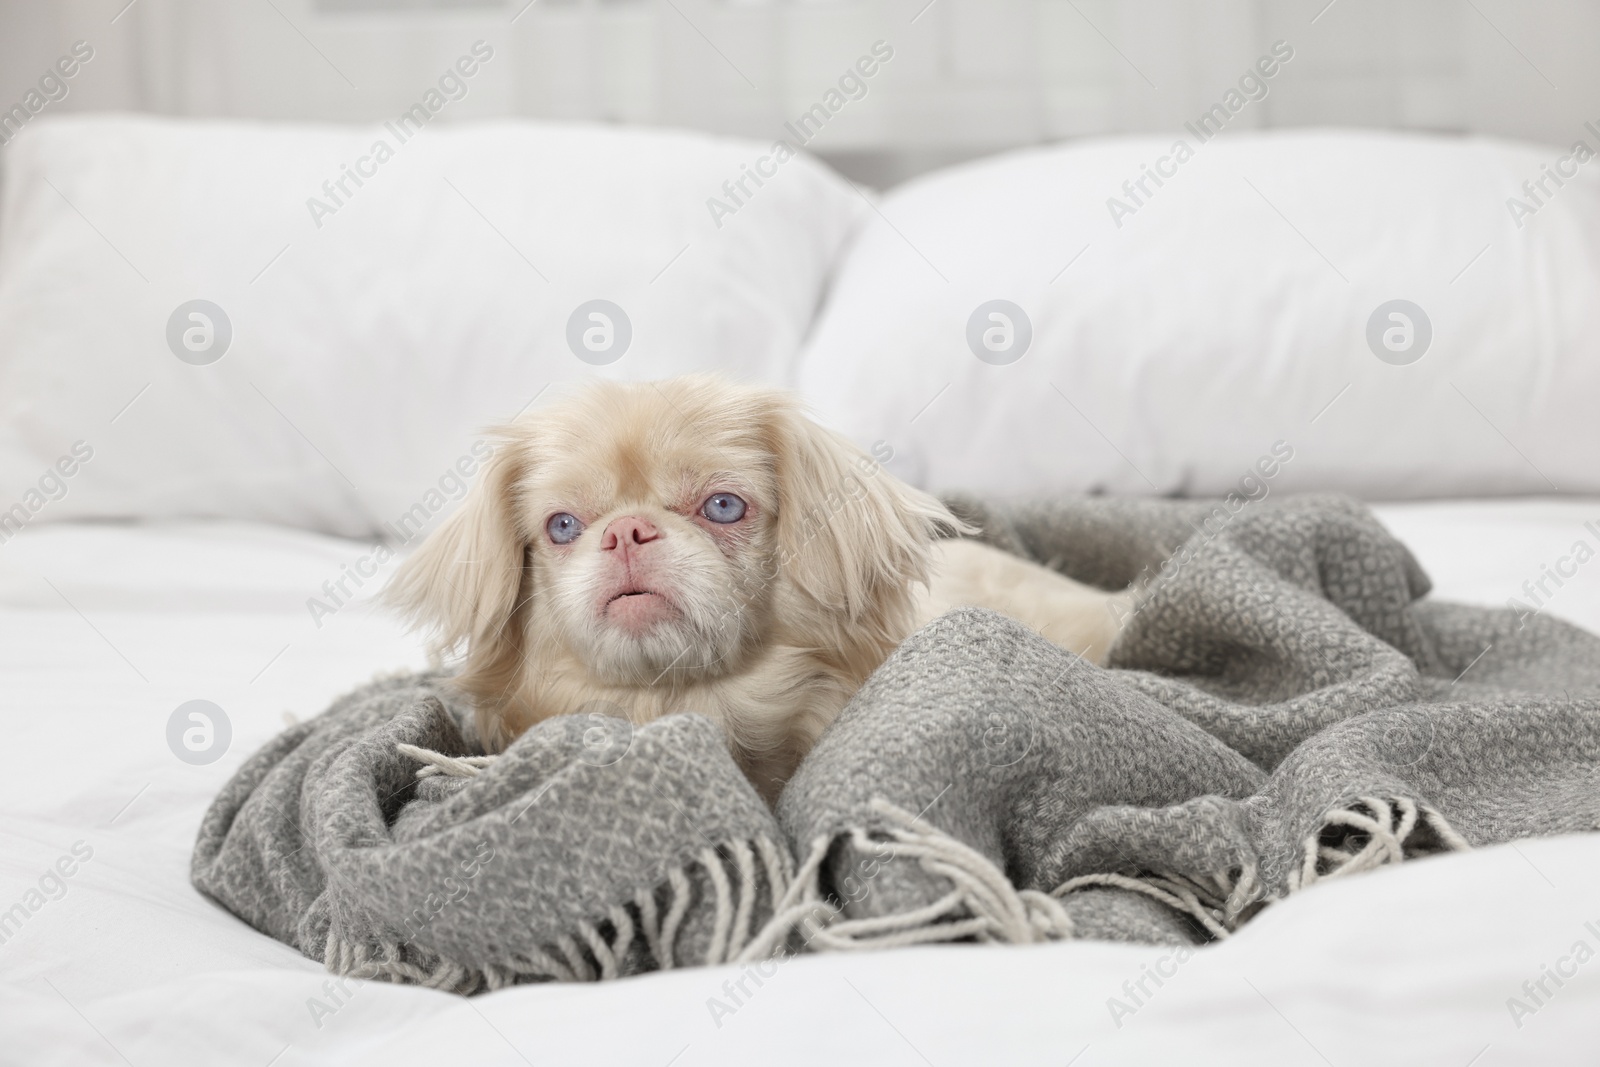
{"type": "Point", "coordinates": [851, 536]}
{"type": "Point", "coordinates": [463, 583]}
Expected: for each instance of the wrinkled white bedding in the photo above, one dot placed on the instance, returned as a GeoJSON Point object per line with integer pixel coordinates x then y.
{"type": "Point", "coordinates": [106, 629]}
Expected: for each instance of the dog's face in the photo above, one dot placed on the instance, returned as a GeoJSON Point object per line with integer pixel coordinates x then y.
{"type": "Point", "coordinates": [651, 525]}
{"type": "Point", "coordinates": [666, 534]}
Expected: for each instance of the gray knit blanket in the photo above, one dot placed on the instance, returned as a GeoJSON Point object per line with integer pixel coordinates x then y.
{"type": "Point", "coordinates": [1284, 706]}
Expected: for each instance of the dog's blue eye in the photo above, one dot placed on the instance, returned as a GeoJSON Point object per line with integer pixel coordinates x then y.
{"type": "Point", "coordinates": [723, 508]}
{"type": "Point", "coordinates": [563, 528]}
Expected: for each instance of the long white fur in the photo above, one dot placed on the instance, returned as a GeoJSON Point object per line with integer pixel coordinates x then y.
{"type": "Point", "coordinates": [776, 620]}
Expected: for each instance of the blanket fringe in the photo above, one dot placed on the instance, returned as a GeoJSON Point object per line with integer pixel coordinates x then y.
{"type": "Point", "coordinates": [1219, 909]}
{"type": "Point", "coordinates": [735, 875]}
{"type": "Point", "coordinates": [982, 903]}
{"type": "Point", "coordinates": [735, 878]}
{"type": "Point", "coordinates": [1371, 833]}
{"type": "Point", "coordinates": [438, 763]}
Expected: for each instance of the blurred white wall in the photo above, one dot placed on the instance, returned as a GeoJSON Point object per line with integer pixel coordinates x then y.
{"type": "Point", "coordinates": [967, 77]}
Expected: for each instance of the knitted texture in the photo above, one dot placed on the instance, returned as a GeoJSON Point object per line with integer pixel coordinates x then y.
{"type": "Point", "coordinates": [588, 849]}
{"type": "Point", "coordinates": [1283, 707]}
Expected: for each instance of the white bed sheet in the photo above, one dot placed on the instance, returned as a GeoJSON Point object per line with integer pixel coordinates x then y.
{"type": "Point", "coordinates": [105, 629]}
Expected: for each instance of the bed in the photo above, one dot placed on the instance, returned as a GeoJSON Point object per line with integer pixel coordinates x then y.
{"type": "Point", "coordinates": [206, 551]}
{"type": "Point", "coordinates": [111, 626]}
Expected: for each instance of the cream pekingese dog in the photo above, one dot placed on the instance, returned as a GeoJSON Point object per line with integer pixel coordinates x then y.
{"type": "Point", "coordinates": [696, 545]}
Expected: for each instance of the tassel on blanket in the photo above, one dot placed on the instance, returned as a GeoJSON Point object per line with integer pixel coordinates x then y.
{"type": "Point", "coordinates": [737, 878]}
{"type": "Point", "coordinates": [982, 903]}
{"type": "Point", "coordinates": [1219, 908]}
{"type": "Point", "coordinates": [1370, 833]}
{"type": "Point", "coordinates": [438, 763]}
{"type": "Point", "coordinates": [739, 874]}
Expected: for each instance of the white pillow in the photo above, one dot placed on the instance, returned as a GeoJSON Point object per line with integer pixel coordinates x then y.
{"type": "Point", "coordinates": [1224, 322]}
{"type": "Point", "coordinates": [370, 343]}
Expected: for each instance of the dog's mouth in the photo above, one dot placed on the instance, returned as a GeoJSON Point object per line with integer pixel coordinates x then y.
{"type": "Point", "coordinates": [636, 610]}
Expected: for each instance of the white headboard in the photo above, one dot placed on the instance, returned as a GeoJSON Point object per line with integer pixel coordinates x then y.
{"type": "Point", "coordinates": [967, 76]}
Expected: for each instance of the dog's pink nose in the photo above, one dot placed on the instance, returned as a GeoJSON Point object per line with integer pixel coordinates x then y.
{"type": "Point", "coordinates": [627, 532]}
